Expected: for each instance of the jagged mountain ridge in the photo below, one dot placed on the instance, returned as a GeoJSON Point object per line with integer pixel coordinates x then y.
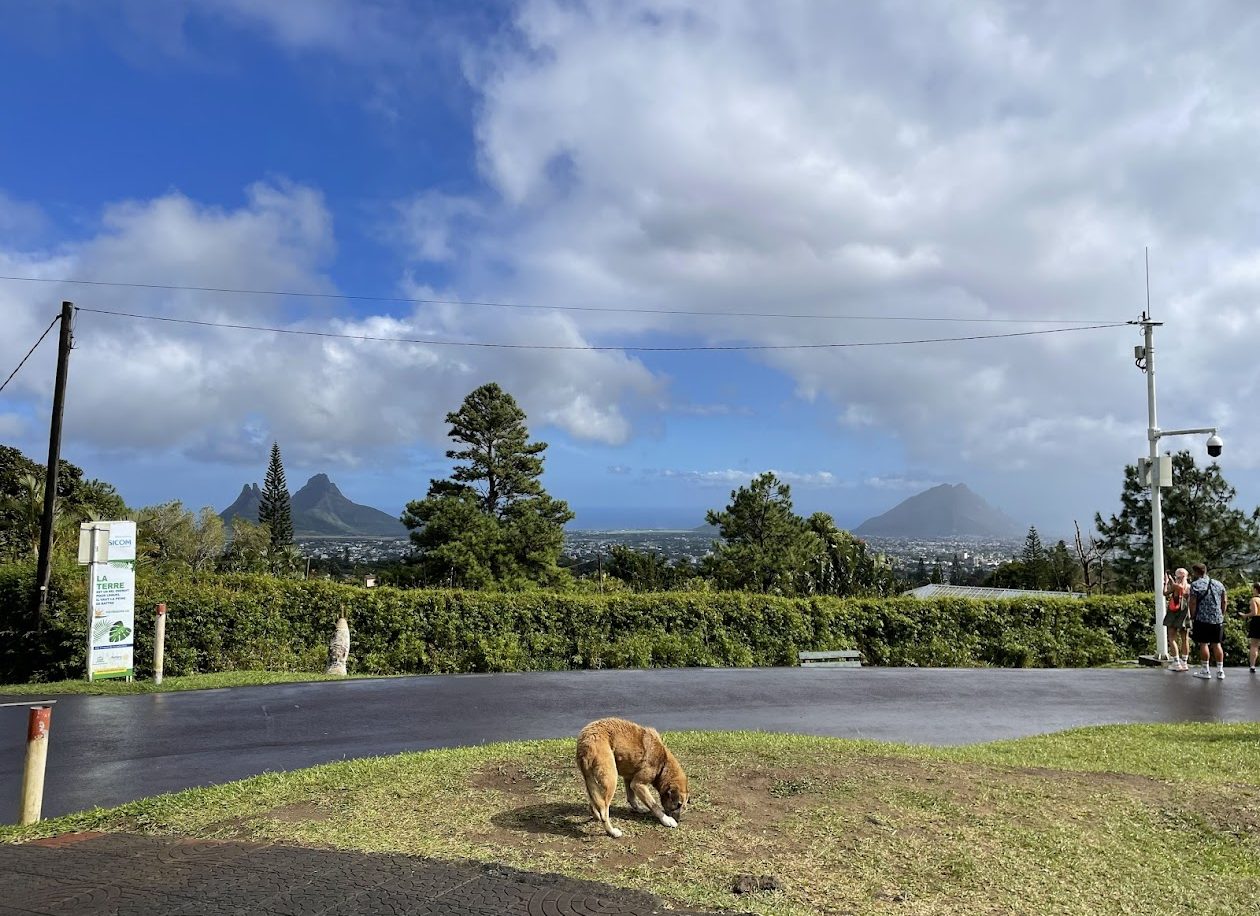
{"type": "Point", "coordinates": [948, 510]}
{"type": "Point", "coordinates": [320, 509]}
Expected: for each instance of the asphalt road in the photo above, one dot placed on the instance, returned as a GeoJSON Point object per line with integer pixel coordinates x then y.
{"type": "Point", "coordinates": [109, 750]}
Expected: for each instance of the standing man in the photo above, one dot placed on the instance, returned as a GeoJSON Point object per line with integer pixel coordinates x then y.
{"type": "Point", "coordinates": [1207, 607]}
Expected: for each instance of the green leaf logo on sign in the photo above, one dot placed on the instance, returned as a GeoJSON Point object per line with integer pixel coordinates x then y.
{"type": "Point", "coordinates": [118, 632]}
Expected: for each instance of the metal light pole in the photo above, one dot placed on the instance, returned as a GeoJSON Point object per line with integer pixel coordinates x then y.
{"type": "Point", "coordinates": [1159, 473]}
{"type": "Point", "coordinates": [1157, 509]}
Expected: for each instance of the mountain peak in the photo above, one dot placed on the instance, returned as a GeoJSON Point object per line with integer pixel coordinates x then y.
{"type": "Point", "coordinates": [320, 509]}
{"type": "Point", "coordinates": [946, 510]}
{"type": "Point", "coordinates": [320, 483]}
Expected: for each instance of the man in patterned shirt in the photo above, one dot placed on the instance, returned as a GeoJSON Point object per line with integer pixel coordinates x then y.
{"type": "Point", "coordinates": [1207, 608]}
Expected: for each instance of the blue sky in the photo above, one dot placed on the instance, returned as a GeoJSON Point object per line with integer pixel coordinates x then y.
{"type": "Point", "coordinates": [872, 160]}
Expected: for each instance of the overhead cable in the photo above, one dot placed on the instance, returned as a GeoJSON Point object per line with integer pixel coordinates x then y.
{"type": "Point", "coordinates": [29, 352]}
{"type": "Point", "coordinates": [700, 313]}
{"type": "Point", "coordinates": [686, 348]}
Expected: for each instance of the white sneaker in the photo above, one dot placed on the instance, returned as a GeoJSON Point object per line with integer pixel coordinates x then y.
{"type": "Point", "coordinates": [1203, 673]}
{"type": "Point", "coordinates": [1220, 674]}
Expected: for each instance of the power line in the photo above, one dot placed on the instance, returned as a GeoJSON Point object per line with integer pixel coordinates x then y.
{"type": "Point", "coordinates": [29, 352]}
{"type": "Point", "coordinates": [632, 348]}
{"type": "Point", "coordinates": [557, 308]}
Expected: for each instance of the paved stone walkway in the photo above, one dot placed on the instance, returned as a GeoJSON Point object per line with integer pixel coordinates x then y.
{"type": "Point", "coordinates": [89, 874]}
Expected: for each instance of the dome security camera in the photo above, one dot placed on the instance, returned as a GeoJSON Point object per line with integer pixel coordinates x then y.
{"type": "Point", "coordinates": [1215, 446]}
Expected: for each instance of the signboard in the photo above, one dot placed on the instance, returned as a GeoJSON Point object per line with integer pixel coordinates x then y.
{"type": "Point", "coordinates": [111, 600]}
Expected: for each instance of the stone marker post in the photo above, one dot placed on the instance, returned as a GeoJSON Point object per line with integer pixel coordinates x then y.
{"type": "Point", "coordinates": [339, 648]}
{"type": "Point", "coordinates": [159, 643]}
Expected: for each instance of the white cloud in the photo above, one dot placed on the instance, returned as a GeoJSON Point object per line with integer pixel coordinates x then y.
{"type": "Point", "coordinates": [979, 160]}
{"type": "Point", "coordinates": [731, 476]}
{"type": "Point", "coordinates": [365, 30]}
{"type": "Point", "coordinates": [716, 478]}
{"type": "Point", "coordinates": [896, 482]}
{"type": "Point", "coordinates": [11, 426]}
{"type": "Point", "coordinates": [221, 394]}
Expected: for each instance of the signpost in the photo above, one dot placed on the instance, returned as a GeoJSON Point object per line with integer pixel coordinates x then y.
{"type": "Point", "coordinates": [109, 550]}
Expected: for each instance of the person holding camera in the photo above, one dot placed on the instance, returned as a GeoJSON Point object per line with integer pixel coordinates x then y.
{"type": "Point", "coordinates": [1252, 614]}
{"type": "Point", "coordinates": [1207, 607]}
{"type": "Point", "coordinates": [1177, 620]}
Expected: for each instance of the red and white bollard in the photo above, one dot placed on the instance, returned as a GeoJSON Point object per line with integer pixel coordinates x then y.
{"type": "Point", "coordinates": [39, 722]}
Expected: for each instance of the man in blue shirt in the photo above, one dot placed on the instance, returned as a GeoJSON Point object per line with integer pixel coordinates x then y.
{"type": "Point", "coordinates": [1207, 608]}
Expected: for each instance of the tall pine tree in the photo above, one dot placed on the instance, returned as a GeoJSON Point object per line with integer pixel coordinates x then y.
{"type": "Point", "coordinates": [491, 523]}
{"type": "Point", "coordinates": [275, 510]}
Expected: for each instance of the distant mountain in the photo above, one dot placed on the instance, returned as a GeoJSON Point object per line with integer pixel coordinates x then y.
{"type": "Point", "coordinates": [321, 510]}
{"type": "Point", "coordinates": [246, 505]}
{"type": "Point", "coordinates": [943, 511]}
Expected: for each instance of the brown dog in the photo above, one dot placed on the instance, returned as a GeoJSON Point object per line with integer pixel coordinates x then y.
{"type": "Point", "coordinates": [608, 748]}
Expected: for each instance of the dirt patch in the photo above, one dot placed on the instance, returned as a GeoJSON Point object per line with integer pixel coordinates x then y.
{"type": "Point", "coordinates": [508, 777]}
{"type": "Point", "coordinates": [298, 813]}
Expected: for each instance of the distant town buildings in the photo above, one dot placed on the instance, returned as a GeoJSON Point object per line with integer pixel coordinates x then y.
{"type": "Point", "coordinates": [974, 557]}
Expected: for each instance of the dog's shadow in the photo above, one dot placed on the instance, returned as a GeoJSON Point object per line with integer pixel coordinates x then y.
{"type": "Point", "coordinates": [556, 819]}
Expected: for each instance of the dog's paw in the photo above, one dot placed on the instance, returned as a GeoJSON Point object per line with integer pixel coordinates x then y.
{"type": "Point", "coordinates": [614, 832]}
{"type": "Point", "coordinates": [669, 821]}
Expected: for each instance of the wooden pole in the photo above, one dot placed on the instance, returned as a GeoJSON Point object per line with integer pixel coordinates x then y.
{"type": "Point", "coordinates": [44, 569]}
{"type": "Point", "coordinates": [36, 759]}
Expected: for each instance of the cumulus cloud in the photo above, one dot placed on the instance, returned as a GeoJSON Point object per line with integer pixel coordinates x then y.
{"type": "Point", "coordinates": [979, 160]}
{"type": "Point", "coordinates": [221, 394]}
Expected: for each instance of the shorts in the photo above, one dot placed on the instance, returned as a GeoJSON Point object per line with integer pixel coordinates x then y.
{"type": "Point", "coordinates": [1207, 633]}
{"type": "Point", "coordinates": [1253, 627]}
{"type": "Point", "coordinates": [1179, 620]}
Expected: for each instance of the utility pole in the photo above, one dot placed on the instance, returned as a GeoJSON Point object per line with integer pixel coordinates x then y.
{"type": "Point", "coordinates": [64, 345]}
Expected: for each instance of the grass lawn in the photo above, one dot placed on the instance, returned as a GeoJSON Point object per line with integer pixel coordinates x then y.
{"type": "Point", "coordinates": [1096, 820]}
{"type": "Point", "coordinates": [190, 682]}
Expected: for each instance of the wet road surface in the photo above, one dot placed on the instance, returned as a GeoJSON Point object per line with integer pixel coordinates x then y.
{"type": "Point", "coordinates": [109, 750]}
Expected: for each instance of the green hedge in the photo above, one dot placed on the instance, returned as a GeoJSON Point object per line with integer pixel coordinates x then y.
{"type": "Point", "coordinates": [219, 623]}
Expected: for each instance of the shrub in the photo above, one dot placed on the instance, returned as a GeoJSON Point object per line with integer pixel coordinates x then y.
{"type": "Point", "coordinates": [218, 623]}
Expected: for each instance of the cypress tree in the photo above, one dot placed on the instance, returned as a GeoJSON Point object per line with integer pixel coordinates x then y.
{"type": "Point", "coordinates": [275, 510]}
